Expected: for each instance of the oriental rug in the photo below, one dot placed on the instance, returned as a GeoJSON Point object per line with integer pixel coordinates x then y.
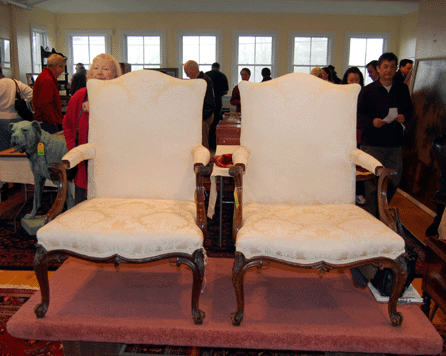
{"type": "Point", "coordinates": [285, 310]}
{"type": "Point", "coordinates": [10, 301]}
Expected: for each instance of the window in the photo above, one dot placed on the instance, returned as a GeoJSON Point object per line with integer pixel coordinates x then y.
{"type": "Point", "coordinates": [39, 39]}
{"type": "Point", "coordinates": [83, 46]}
{"type": "Point", "coordinates": [309, 50]}
{"type": "Point", "coordinates": [202, 47]}
{"type": "Point", "coordinates": [5, 53]}
{"type": "Point", "coordinates": [143, 50]}
{"type": "Point", "coordinates": [363, 48]}
{"type": "Point", "coordinates": [254, 51]}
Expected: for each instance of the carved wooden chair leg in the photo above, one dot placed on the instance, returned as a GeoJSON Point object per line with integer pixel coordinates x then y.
{"type": "Point", "coordinates": [238, 274]}
{"type": "Point", "coordinates": [196, 264]}
{"type": "Point", "coordinates": [41, 271]}
{"type": "Point", "coordinates": [399, 271]}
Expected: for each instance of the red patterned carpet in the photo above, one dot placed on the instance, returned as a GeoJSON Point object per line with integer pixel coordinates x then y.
{"type": "Point", "coordinates": [10, 301]}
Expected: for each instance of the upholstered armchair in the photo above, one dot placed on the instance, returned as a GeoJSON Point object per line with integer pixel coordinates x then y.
{"type": "Point", "coordinates": [145, 181]}
{"type": "Point", "coordinates": [295, 174]}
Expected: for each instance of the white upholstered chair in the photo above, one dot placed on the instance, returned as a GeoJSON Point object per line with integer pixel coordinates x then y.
{"type": "Point", "coordinates": [144, 201]}
{"type": "Point", "coordinates": [295, 203]}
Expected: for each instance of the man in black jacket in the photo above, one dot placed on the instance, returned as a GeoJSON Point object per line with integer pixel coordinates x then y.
{"type": "Point", "coordinates": [384, 107]}
{"type": "Point", "coordinates": [192, 71]}
{"type": "Point", "coordinates": [221, 87]}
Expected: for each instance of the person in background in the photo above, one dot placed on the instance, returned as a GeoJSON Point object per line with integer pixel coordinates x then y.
{"type": "Point", "coordinates": [221, 87]}
{"type": "Point", "coordinates": [326, 74]}
{"type": "Point", "coordinates": [46, 97]}
{"type": "Point", "coordinates": [1, 73]}
{"type": "Point", "coordinates": [245, 74]}
{"type": "Point", "coordinates": [79, 79]}
{"type": "Point", "coordinates": [384, 106]}
{"type": "Point", "coordinates": [371, 69]}
{"type": "Point", "coordinates": [334, 75]}
{"type": "Point", "coordinates": [266, 74]}
{"type": "Point", "coordinates": [104, 67]}
{"type": "Point", "coordinates": [354, 76]}
{"type": "Point", "coordinates": [405, 68]}
{"type": "Point", "coordinates": [8, 113]}
{"type": "Point", "coordinates": [192, 71]}
{"type": "Point", "coordinates": [318, 72]}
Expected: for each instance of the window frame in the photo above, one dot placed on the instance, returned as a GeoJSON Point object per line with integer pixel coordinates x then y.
{"type": "Point", "coordinates": [179, 37]}
{"type": "Point", "coordinates": [44, 31]}
{"type": "Point", "coordinates": [160, 33]}
{"type": "Point", "coordinates": [69, 43]}
{"type": "Point", "coordinates": [235, 77]}
{"type": "Point", "coordinates": [386, 36]}
{"type": "Point", "coordinates": [3, 63]}
{"type": "Point", "coordinates": [293, 34]}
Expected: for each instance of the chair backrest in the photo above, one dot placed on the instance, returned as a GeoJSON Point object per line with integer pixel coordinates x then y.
{"type": "Point", "coordinates": [143, 126]}
{"type": "Point", "coordinates": [300, 130]}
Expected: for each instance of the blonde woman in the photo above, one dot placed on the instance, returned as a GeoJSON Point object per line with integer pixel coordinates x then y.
{"type": "Point", "coordinates": [104, 67]}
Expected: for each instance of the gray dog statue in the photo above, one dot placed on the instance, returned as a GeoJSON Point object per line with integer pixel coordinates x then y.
{"type": "Point", "coordinates": [41, 148]}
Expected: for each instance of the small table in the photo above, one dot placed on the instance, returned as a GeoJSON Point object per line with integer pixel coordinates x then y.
{"type": "Point", "coordinates": [220, 172]}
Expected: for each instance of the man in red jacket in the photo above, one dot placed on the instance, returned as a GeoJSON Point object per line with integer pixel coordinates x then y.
{"type": "Point", "coordinates": [46, 98]}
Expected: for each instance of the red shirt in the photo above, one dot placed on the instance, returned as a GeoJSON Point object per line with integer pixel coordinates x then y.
{"type": "Point", "coordinates": [46, 98]}
{"type": "Point", "coordinates": [69, 129]}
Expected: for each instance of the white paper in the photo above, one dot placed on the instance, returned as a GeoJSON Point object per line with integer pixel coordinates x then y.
{"type": "Point", "coordinates": [393, 113]}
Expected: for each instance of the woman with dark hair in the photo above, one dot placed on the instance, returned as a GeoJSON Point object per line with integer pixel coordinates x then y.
{"type": "Point", "coordinates": [353, 76]}
{"type": "Point", "coordinates": [327, 75]}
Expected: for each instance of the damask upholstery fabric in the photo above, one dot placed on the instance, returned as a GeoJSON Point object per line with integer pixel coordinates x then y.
{"type": "Point", "coordinates": [131, 228]}
{"type": "Point", "coordinates": [142, 131]}
{"type": "Point", "coordinates": [301, 131]}
{"type": "Point", "coordinates": [337, 234]}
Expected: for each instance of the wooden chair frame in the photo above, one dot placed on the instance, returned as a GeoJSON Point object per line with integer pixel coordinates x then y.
{"type": "Point", "coordinates": [241, 264]}
{"type": "Point", "coordinates": [194, 261]}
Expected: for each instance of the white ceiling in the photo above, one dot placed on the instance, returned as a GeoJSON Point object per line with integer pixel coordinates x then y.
{"type": "Point", "coordinates": [353, 7]}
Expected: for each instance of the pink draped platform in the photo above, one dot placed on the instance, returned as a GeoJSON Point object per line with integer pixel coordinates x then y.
{"type": "Point", "coordinates": [285, 309]}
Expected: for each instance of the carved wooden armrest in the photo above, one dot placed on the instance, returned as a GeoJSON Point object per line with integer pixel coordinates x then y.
{"type": "Point", "coordinates": [201, 171]}
{"type": "Point", "coordinates": [78, 154]}
{"type": "Point", "coordinates": [385, 215]}
{"type": "Point", "coordinates": [370, 163]}
{"type": "Point", "coordinates": [57, 173]}
{"type": "Point", "coordinates": [237, 172]}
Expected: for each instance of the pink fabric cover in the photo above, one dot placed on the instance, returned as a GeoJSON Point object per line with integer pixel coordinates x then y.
{"type": "Point", "coordinates": [285, 309]}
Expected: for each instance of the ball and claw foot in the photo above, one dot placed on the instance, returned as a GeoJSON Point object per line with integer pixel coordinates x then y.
{"type": "Point", "coordinates": [396, 319]}
{"type": "Point", "coordinates": [198, 317]}
{"type": "Point", "coordinates": [237, 318]}
{"type": "Point", "coordinates": [40, 310]}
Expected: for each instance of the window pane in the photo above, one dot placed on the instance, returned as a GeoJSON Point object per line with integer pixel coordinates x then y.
{"type": "Point", "coordinates": [135, 52]}
{"type": "Point", "coordinates": [246, 49]}
{"type": "Point", "coordinates": [302, 69]}
{"type": "Point", "coordinates": [152, 50]}
{"type": "Point", "coordinates": [7, 53]}
{"type": "Point", "coordinates": [81, 53]}
{"type": "Point", "coordinates": [302, 50]}
{"type": "Point", "coordinates": [319, 51]}
{"type": "Point", "coordinates": [263, 50]}
{"type": "Point", "coordinates": [97, 46]}
{"type": "Point", "coordinates": [357, 51]}
{"type": "Point", "coordinates": [202, 49]}
{"type": "Point", "coordinates": [375, 47]}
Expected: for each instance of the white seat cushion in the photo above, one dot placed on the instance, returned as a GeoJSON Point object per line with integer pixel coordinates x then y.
{"type": "Point", "coordinates": [131, 228]}
{"type": "Point", "coordinates": [336, 234]}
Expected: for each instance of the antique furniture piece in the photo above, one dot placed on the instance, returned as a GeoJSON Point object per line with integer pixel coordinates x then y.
{"type": "Point", "coordinates": [228, 131]}
{"type": "Point", "coordinates": [434, 278]}
{"type": "Point", "coordinates": [144, 201]}
{"type": "Point", "coordinates": [296, 205]}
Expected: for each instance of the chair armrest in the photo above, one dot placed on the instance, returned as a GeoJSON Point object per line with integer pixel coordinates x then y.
{"type": "Point", "coordinates": [365, 160]}
{"type": "Point", "coordinates": [57, 173]}
{"type": "Point", "coordinates": [201, 155]}
{"type": "Point", "coordinates": [78, 154]}
{"type": "Point", "coordinates": [241, 155]}
{"type": "Point", "coordinates": [201, 171]}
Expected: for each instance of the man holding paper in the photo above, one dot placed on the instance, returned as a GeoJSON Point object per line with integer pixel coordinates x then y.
{"type": "Point", "coordinates": [384, 106]}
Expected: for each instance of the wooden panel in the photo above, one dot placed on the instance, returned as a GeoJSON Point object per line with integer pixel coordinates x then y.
{"type": "Point", "coordinates": [228, 132]}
